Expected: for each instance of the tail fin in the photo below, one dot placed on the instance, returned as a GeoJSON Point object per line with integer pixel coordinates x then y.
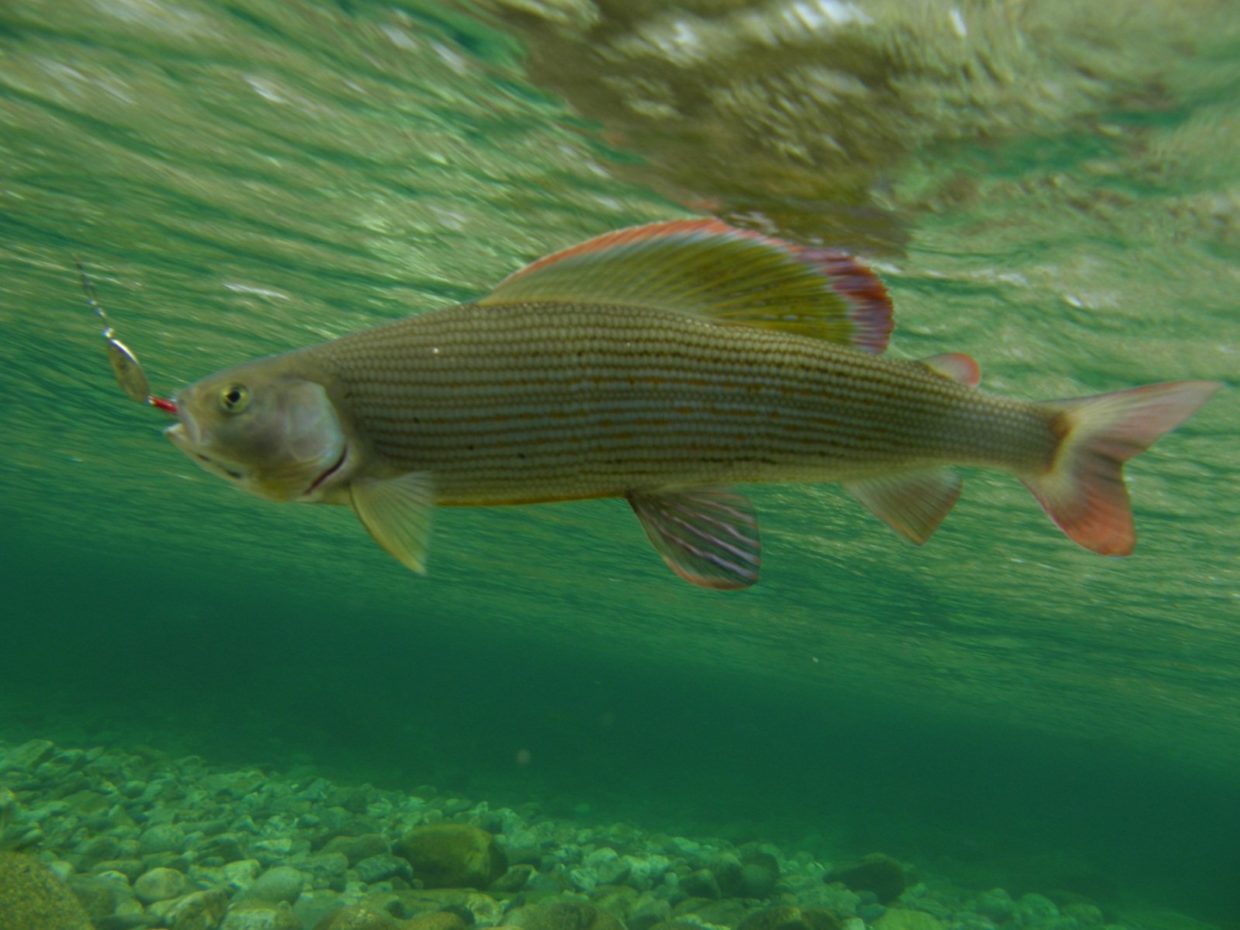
{"type": "Point", "coordinates": [1083, 491]}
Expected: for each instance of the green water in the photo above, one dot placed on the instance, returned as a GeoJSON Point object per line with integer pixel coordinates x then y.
{"type": "Point", "coordinates": [1050, 187]}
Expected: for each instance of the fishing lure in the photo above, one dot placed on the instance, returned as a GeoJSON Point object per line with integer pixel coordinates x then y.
{"type": "Point", "coordinates": [125, 365]}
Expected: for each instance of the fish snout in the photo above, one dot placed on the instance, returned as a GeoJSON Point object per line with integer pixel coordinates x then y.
{"type": "Point", "coordinates": [184, 433]}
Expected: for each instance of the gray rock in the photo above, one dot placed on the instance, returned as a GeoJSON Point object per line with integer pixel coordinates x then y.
{"type": "Point", "coordinates": [996, 904]}
{"type": "Point", "coordinates": [272, 850]}
{"type": "Point", "coordinates": [159, 885]}
{"type": "Point", "coordinates": [28, 755]}
{"type": "Point", "coordinates": [646, 912]}
{"type": "Point", "coordinates": [241, 874]}
{"type": "Point", "coordinates": [727, 871]}
{"type": "Point", "coordinates": [327, 870]}
{"type": "Point", "coordinates": [225, 847]}
{"type": "Point", "coordinates": [260, 915]}
{"type": "Point", "coordinates": [701, 884]}
{"type": "Point", "coordinates": [759, 875]}
{"type": "Point", "coordinates": [198, 910]}
{"type": "Point", "coordinates": [163, 837]}
{"type": "Point", "coordinates": [452, 855]}
{"type": "Point", "coordinates": [879, 873]}
{"type": "Point", "coordinates": [97, 849]}
{"type": "Point", "coordinates": [281, 883]}
{"type": "Point", "coordinates": [1034, 910]}
{"type": "Point", "coordinates": [32, 898]}
{"type": "Point", "coordinates": [358, 917]}
{"type": "Point", "coordinates": [382, 867]}
{"type": "Point", "coordinates": [357, 848]}
{"type": "Point", "coordinates": [562, 915]}
{"type": "Point", "coordinates": [315, 904]}
{"type": "Point", "coordinates": [515, 879]}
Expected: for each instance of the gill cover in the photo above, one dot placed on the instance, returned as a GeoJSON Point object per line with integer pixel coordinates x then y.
{"type": "Point", "coordinates": [279, 438]}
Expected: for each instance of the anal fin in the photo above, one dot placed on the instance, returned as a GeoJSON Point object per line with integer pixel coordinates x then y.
{"type": "Point", "coordinates": [913, 503]}
{"type": "Point", "coordinates": [397, 512]}
{"type": "Point", "coordinates": [707, 536]}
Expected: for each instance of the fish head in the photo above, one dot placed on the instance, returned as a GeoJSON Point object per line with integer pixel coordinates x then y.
{"type": "Point", "coordinates": [267, 430]}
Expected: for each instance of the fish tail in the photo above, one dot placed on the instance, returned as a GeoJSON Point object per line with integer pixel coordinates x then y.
{"type": "Point", "coordinates": [1083, 490]}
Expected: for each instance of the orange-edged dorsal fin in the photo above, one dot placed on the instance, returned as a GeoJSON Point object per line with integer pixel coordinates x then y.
{"type": "Point", "coordinates": [957, 366]}
{"type": "Point", "coordinates": [706, 267]}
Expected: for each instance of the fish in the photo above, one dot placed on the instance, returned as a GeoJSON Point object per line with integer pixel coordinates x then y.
{"type": "Point", "coordinates": [664, 364]}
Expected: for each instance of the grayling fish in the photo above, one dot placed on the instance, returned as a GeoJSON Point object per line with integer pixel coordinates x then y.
{"type": "Point", "coordinates": [662, 364]}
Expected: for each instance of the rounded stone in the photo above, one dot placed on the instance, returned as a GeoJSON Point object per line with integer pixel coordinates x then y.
{"type": "Point", "coordinates": [380, 868]}
{"type": "Point", "coordinates": [563, 915]}
{"type": "Point", "coordinates": [759, 875]}
{"type": "Point", "coordinates": [159, 885]}
{"type": "Point", "coordinates": [163, 837]}
{"type": "Point", "coordinates": [199, 910]}
{"type": "Point", "coordinates": [452, 855]}
{"type": "Point", "coordinates": [901, 918]}
{"type": "Point", "coordinates": [260, 915]}
{"type": "Point", "coordinates": [281, 883]}
{"type": "Point", "coordinates": [33, 898]}
{"type": "Point", "coordinates": [876, 872]}
{"type": "Point", "coordinates": [357, 917]}
{"type": "Point", "coordinates": [436, 920]}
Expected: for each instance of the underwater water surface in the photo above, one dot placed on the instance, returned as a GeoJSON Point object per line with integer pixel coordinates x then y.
{"type": "Point", "coordinates": [1050, 187]}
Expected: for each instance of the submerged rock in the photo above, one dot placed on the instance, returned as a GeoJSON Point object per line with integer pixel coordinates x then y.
{"type": "Point", "coordinates": [876, 872]}
{"type": "Point", "coordinates": [198, 910]}
{"type": "Point", "coordinates": [438, 920]}
{"type": "Point", "coordinates": [357, 917]}
{"type": "Point", "coordinates": [758, 875]}
{"type": "Point", "coordinates": [382, 867]}
{"type": "Point", "coordinates": [260, 915]}
{"type": "Point", "coordinates": [900, 918]}
{"type": "Point", "coordinates": [159, 885]}
{"type": "Point", "coordinates": [451, 855]}
{"type": "Point", "coordinates": [563, 915]}
{"type": "Point", "coordinates": [33, 898]}
{"type": "Point", "coordinates": [791, 918]}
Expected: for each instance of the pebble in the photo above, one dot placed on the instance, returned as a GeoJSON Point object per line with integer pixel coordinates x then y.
{"type": "Point", "coordinates": [382, 867]}
{"type": "Point", "coordinates": [159, 884]}
{"type": "Point", "coordinates": [198, 910]}
{"type": "Point", "coordinates": [261, 915]}
{"type": "Point", "coordinates": [152, 843]}
{"type": "Point", "coordinates": [283, 883]}
{"type": "Point", "coordinates": [160, 838]}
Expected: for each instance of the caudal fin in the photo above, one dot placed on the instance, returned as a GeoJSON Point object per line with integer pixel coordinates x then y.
{"type": "Point", "coordinates": [1083, 492]}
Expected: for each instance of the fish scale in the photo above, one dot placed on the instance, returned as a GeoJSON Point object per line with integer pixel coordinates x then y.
{"type": "Point", "coordinates": [661, 364]}
{"type": "Point", "coordinates": [584, 395]}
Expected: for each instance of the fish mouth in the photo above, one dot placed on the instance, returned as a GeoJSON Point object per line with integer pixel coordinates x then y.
{"type": "Point", "coordinates": [328, 472]}
{"type": "Point", "coordinates": [183, 436]}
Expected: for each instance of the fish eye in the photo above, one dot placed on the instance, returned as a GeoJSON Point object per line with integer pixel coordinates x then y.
{"type": "Point", "coordinates": [234, 398]}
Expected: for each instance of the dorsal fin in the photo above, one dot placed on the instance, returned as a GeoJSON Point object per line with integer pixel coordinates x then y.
{"type": "Point", "coordinates": [707, 267]}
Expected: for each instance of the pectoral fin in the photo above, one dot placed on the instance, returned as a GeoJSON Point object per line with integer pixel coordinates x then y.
{"type": "Point", "coordinates": [911, 504]}
{"type": "Point", "coordinates": [706, 536]}
{"type": "Point", "coordinates": [397, 512]}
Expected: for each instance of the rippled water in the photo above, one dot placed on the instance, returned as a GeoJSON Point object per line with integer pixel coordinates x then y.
{"type": "Point", "coordinates": [1050, 187]}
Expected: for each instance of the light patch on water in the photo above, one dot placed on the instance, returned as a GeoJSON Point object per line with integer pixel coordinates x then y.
{"type": "Point", "coordinates": [450, 58]}
{"type": "Point", "coordinates": [400, 38]}
{"type": "Point", "coordinates": [958, 23]}
{"type": "Point", "coordinates": [265, 89]}
{"type": "Point", "coordinates": [164, 17]}
{"type": "Point", "coordinates": [257, 291]}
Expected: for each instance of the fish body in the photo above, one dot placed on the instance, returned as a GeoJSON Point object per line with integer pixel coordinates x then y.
{"type": "Point", "coordinates": [662, 364]}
